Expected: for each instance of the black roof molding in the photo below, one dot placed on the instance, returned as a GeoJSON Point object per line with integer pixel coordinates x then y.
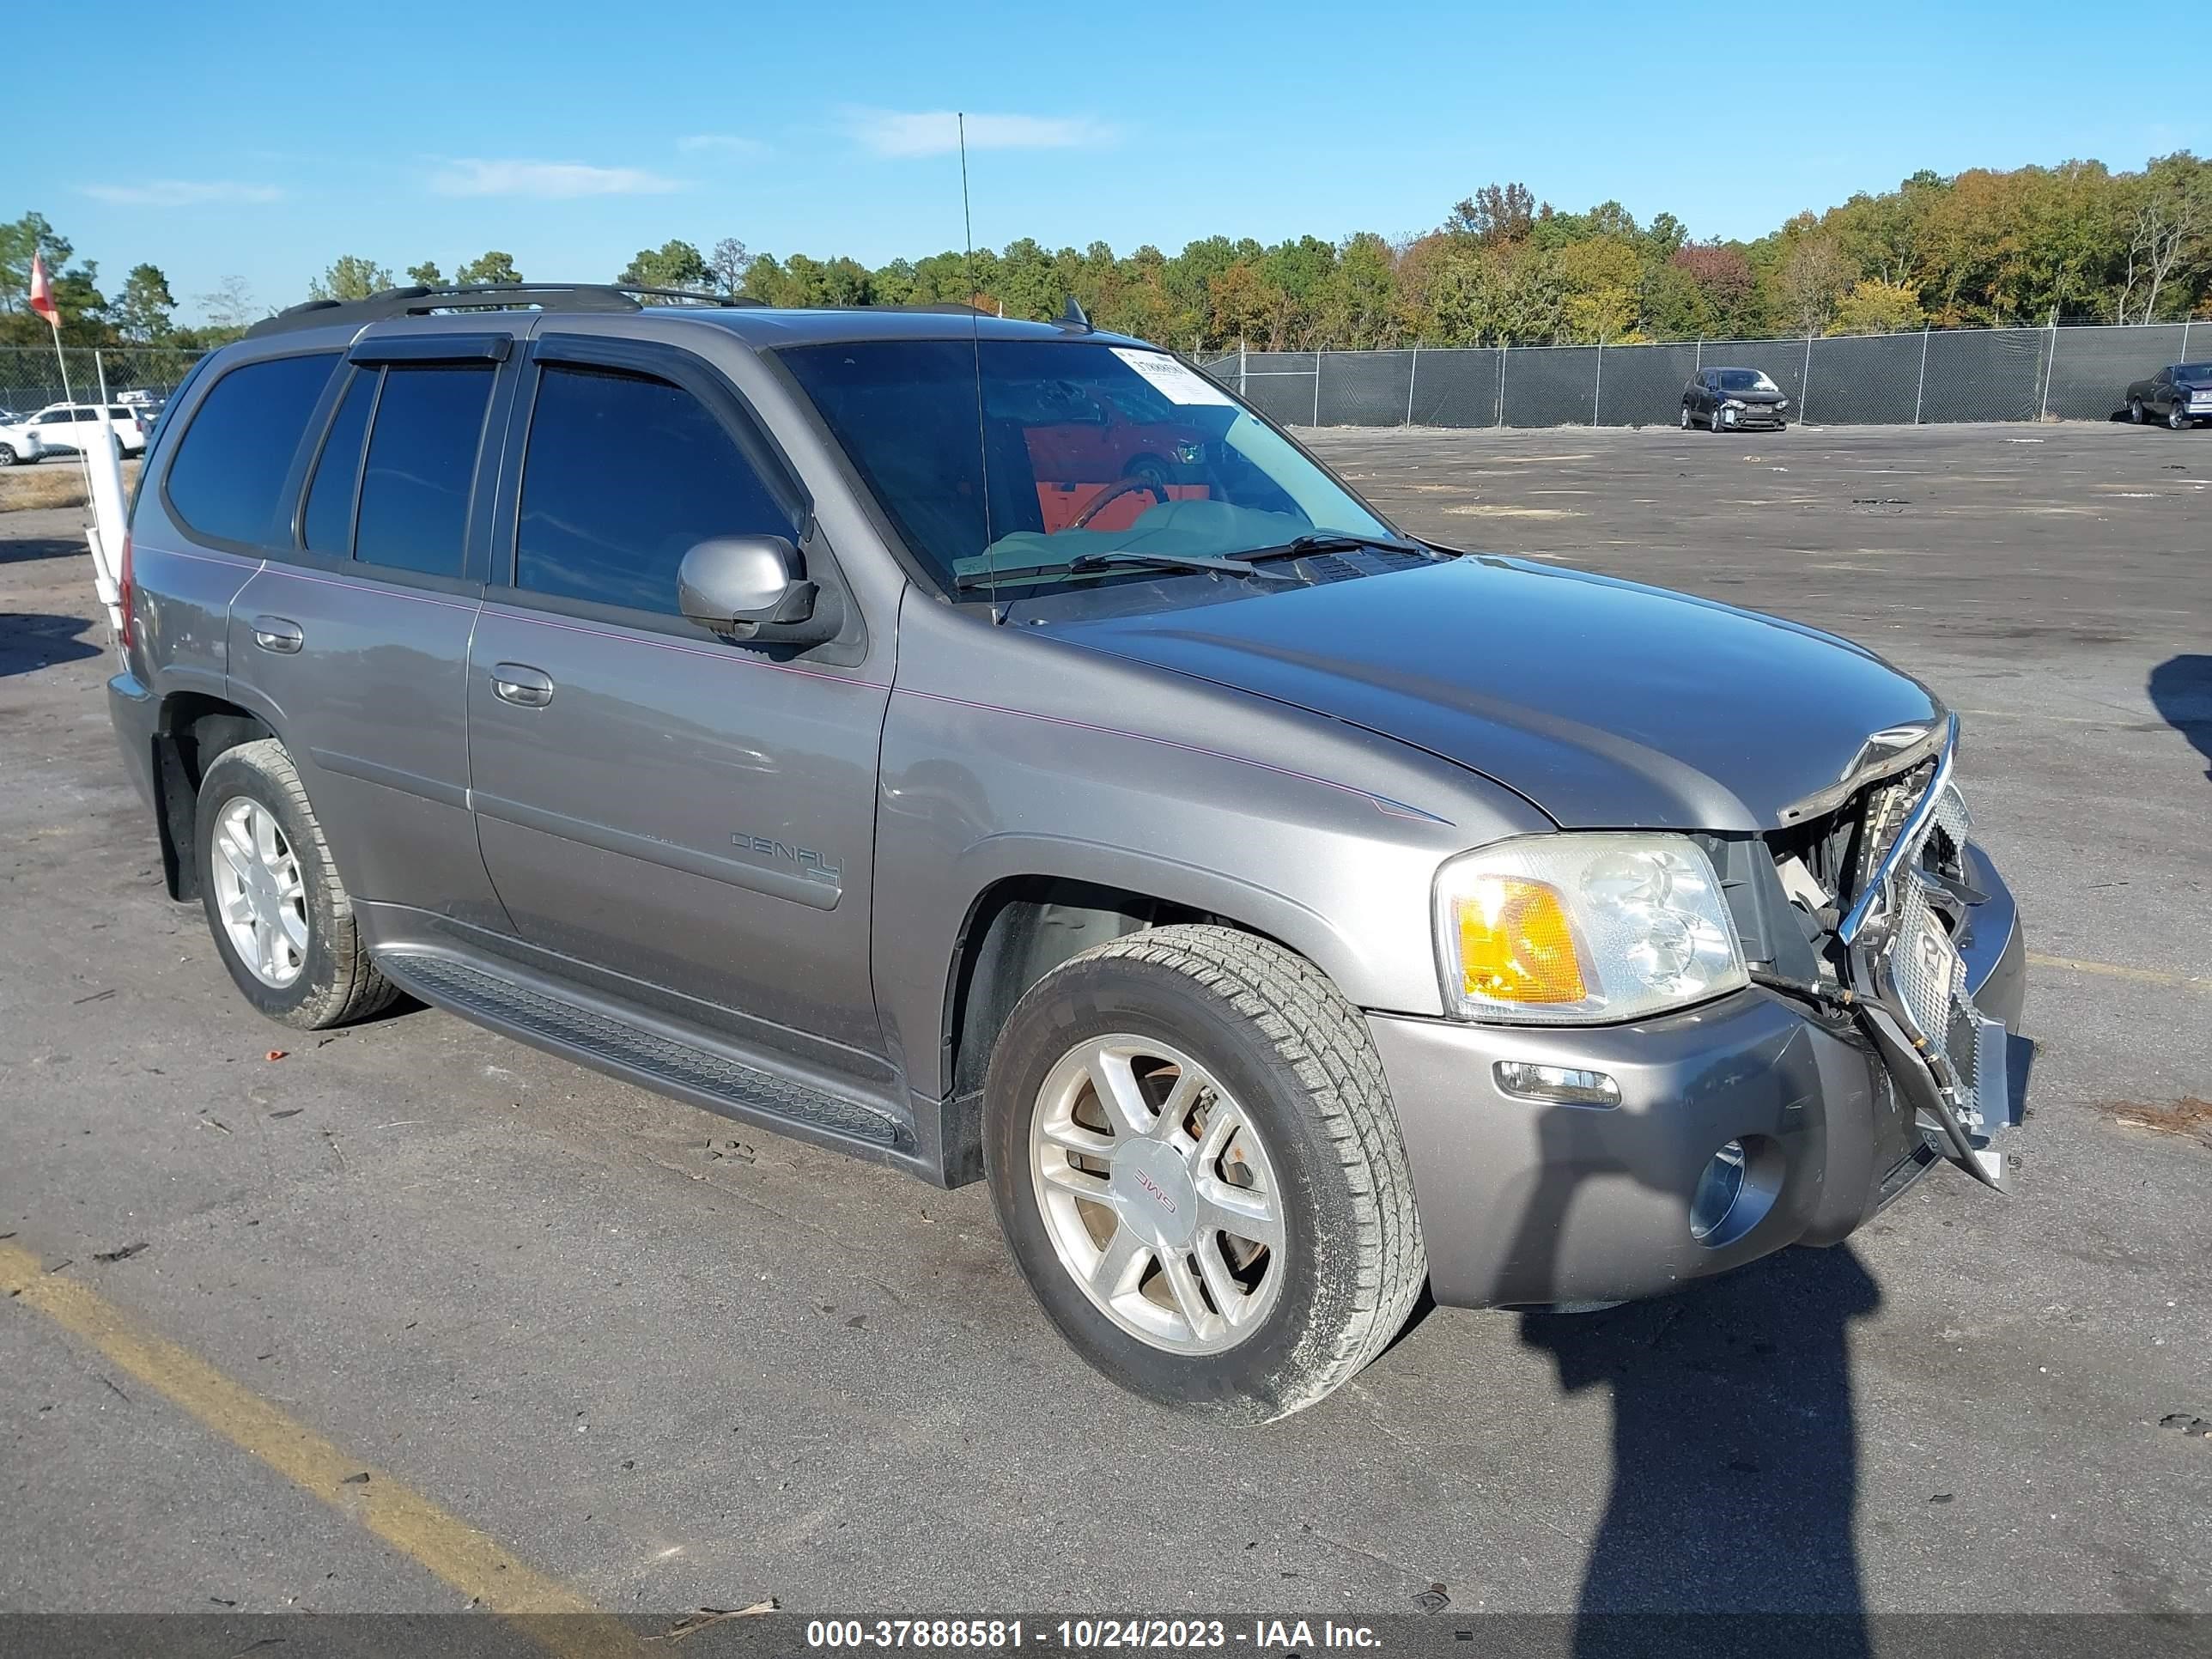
{"type": "Point", "coordinates": [420, 301]}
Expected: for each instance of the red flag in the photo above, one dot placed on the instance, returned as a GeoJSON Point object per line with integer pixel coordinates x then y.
{"type": "Point", "coordinates": [42, 292]}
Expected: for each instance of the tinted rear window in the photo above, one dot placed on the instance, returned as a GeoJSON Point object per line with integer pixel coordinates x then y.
{"type": "Point", "coordinates": [329, 522]}
{"type": "Point", "coordinates": [231, 465]}
{"type": "Point", "coordinates": [422, 464]}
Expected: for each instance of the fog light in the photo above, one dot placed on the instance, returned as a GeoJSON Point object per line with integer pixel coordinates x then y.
{"type": "Point", "coordinates": [1566, 1085]}
{"type": "Point", "coordinates": [1718, 1188]}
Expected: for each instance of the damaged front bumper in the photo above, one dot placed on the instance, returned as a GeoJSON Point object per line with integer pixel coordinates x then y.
{"type": "Point", "coordinates": [1943, 1038]}
{"type": "Point", "coordinates": [1834, 1101]}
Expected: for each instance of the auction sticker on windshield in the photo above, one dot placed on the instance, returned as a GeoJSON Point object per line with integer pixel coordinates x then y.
{"type": "Point", "coordinates": [1178, 382]}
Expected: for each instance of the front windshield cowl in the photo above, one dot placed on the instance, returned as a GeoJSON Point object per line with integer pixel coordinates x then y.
{"type": "Point", "coordinates": [1017, 466]}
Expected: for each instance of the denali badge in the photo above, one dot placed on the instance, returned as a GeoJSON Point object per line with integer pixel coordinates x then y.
{"type": "Point", "coordinates": [815, 866]}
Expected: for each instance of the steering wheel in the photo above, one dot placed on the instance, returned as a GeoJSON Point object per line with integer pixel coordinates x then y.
{"type": "Point", "coordinates": [1114, 492]}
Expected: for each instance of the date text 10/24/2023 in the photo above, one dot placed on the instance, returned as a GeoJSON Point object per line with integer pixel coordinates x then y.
{"type": "Point", "coordinates": [1082, 1634]}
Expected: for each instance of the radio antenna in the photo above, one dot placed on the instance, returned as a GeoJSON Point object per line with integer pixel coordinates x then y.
{"type": "Point", "coordinates": [976, 345]}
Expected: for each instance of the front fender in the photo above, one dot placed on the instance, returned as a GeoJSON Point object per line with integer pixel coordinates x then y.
{"type": "Point", "coordinates": [1295, 828]}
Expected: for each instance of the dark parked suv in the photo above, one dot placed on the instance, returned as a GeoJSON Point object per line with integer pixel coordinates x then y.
{"type": "Point", "coordinates": [778, 709]}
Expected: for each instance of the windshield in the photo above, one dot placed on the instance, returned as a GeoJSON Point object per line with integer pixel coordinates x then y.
{"type": "Point", "coordinates": [2192, 371]}
{"type": "Point", "coordinates": [1741, 380]}
{"type": "Point", "coordinates": [1067, 449]}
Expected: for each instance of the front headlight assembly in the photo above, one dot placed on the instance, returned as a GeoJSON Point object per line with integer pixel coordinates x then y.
{"type": "Point", "coordinates": [1580, 928]}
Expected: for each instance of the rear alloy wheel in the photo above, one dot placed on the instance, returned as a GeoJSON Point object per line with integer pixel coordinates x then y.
{"type": "Point", "coordinates": [1198, 1169]}
{"type": "Point", "coordinates": [1686, 417]}
{"type": "Point", "coordinates": [2135, 410]}
{"type": "Point", "coordinates": [280, 916]}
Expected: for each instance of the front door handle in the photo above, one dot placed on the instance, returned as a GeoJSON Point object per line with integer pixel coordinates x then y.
{"type": "Point", "coordinates": [278, 634]}
{"type": "Point", "coordinates": [520, 684]}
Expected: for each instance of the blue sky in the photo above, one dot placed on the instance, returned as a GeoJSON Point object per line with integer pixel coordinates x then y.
{"type": "Point", "coordinates": [269, 139]}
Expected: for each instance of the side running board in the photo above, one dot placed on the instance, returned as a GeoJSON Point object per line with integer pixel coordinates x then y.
{"type": "Point", "coordinates": [652, 1059]}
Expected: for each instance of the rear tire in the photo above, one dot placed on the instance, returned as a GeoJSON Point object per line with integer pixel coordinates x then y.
{"type": "Point", "coordinates": [7, 455]}
{"type": "Point", "coordinates": [313, 971]}
{"type": "Point", "coordinates": [2135, 410]}
{"type": "Point", "coordinates": [1264, 1041]}
{"type": "Point", "coordinates": [1686, 417]}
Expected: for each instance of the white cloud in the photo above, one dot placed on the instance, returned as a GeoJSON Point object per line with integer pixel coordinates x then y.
{"type": "Point", "coordinates": [181, 192]}
{"type": "Point", "coordinates": [902, 133]}
{"type": "Point", "coordinates": [728, 143]}
{"type": "Point", "coordinates": [550, 180]}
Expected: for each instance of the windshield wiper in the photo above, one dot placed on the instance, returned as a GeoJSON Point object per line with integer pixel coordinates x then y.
{"type": "Point", "coordinates": [1089, 564]}
{"type": "Point", "coordinates": [1333, 541]}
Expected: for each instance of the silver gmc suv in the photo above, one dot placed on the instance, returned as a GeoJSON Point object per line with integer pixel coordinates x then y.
{"type": "Point", "coordinates": [992, 748]}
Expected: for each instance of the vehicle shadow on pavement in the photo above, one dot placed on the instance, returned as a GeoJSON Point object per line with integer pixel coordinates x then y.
{"type": "Point", "coordinates": [1734, 1451]}
{"type": "Point", "coordinates": [28, 549]}
{"type": "Point", "coordinates": [30, 641]}
{"type": "Point", "coordinates": [2181, 690]}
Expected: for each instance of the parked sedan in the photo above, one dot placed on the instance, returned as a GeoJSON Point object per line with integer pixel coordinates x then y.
{"type": "Point", "coordinates": [1734, 399]}
{"type": "Point", "coordinates": [2179, 394]}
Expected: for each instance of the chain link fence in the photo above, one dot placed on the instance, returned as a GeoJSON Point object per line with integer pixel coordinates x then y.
{"type": "Point", "coordinates": [30, 379]}
{"type": "Point", "coordinates": [1940, 375]}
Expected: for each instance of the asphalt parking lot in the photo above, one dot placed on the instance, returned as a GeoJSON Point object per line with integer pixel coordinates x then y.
{"type": "Point", "coordinates": [667, 1362]}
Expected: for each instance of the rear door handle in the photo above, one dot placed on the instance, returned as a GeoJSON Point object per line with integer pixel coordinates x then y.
{"type": "Point", "coordinates": [520, 684]}
{"type": "Point", "coordinates": [278, 634]}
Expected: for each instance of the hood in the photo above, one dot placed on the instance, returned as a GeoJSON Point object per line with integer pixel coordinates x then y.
{"type": "Point", "coordinates": [1605, 703]}
{"type": "Point", "coordinates": [1777, 396]}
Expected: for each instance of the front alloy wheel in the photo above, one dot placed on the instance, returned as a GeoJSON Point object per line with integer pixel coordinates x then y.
{"type": "Point", "coordinates": [1196, 1163]}
{"type": "Point", "coordinates": [1157, 1193]}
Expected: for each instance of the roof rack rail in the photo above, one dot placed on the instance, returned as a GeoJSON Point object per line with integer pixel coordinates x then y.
{"type": "Point", "coordinates": [421, 300]}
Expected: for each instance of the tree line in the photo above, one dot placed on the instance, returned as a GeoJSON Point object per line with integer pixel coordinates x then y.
{"type": "Point", "coordinates": [2078, 242]}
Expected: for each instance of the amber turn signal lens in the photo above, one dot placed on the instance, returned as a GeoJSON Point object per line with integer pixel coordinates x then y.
{"type": "Point", "coordinates": [1516, 944]}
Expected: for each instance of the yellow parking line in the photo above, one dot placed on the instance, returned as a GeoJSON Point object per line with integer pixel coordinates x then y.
{"type": "Point", "coordinates": [551, 1614]}
{"type": "Point", "coordinates": [2114, 970]}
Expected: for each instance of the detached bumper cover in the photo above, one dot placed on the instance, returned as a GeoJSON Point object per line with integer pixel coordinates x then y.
{"type": "Point", "coordinates": [1522, 1202]}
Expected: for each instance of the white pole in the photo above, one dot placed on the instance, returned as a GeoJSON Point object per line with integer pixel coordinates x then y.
{"type": "Point", "coordinates": [1414, 373]}
{"type": "Point", "coordinates": [1501, 383]}
{"type": "Point", "coordinates": [1805, 384]}
{"type": "Point", "coordinates": [2184, 339]}
{"type": "Point", "coordinates": [1242, 355]}
{"type": "Point", "coordinates": [1597, 392]}
{"type": "Point", "coordinates": [1697, 363]}
{"type": "Point", "coordinates": [100, 368]}
{"type": "Point", "coordinates": [1919, 391]}
{"type": "Point", "coordinates": [2051, 363]}
{"type": "Point", "coordinates": [1316, 419]}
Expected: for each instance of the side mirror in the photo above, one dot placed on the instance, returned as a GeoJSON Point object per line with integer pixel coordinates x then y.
{"type": "Point", "coordinates": [751, 587]}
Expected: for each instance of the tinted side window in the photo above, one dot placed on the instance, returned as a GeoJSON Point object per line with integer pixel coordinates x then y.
{"type": "Point", "coordinates": [623, 476]}
{"type": "Point", "coordinates": [421, 463]}
{"type": "Point", "coordinates": [231, 465]}
{"type": "Point", "coordinates": [328, 526]}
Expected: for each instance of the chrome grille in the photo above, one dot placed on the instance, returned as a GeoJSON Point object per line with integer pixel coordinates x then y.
{"type": "Point", "coordinates": [1927, 996]}
{"type": "Point", "coordinates": [1933, 993]}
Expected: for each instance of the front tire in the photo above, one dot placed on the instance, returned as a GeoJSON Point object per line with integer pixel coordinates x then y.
{"type": "Point", "coordinates": [281, 918]}
{"type": "Point", "coordinates": [2177, 419]}
{"type": "Point", "coordinates": [1199, 1171]}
